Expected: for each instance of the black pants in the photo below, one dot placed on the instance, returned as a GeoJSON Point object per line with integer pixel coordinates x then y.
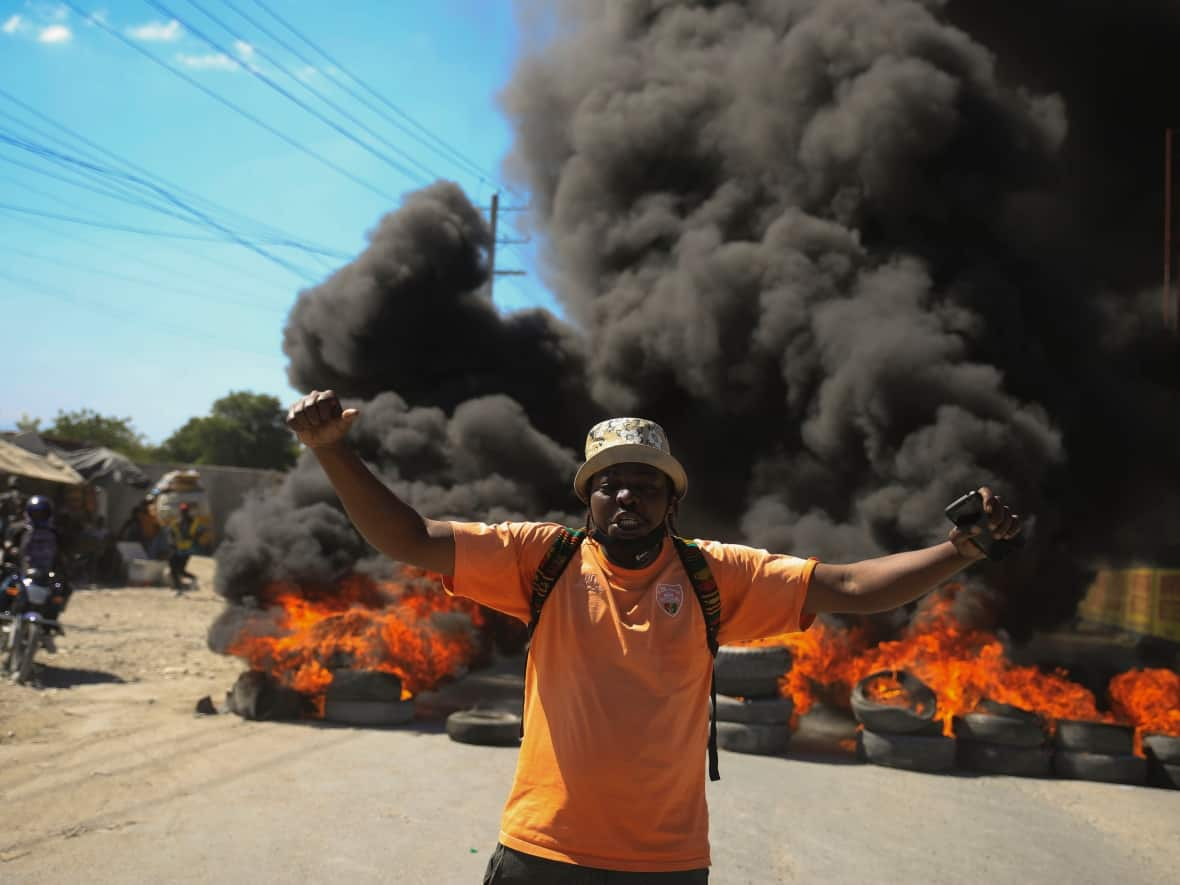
{"type": "Point", "coordinates": [177, 563]}
{"type": "Point", "coordinates": [508, 866]}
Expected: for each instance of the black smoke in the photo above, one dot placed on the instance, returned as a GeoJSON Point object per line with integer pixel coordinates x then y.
{"type": "Point", "coordinates": [857, 256]}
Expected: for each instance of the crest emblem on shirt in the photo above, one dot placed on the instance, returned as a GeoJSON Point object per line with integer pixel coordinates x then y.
{"type": "Point", "coordinates": [591, 582]}
{"type": "Point", "coordinates": [670, 598]}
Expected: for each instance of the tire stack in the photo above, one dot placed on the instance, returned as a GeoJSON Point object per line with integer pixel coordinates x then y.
{"type": "Point", "coordinates": [1163, 760]}
{"type": "Point", "coordinates": [751, 717]}
{"type": "Point", "coordinates": [905, 734]}
{"type": "Point", "coordinates": [1002, 739]}
{"type": "Point", "coordinates": [366, 697]}
{"type": "Point", "coordinates": [1097, 751]}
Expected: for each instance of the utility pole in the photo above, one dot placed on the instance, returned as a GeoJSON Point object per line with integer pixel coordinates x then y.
{"type": "Point", "coordinates": [492, 271]}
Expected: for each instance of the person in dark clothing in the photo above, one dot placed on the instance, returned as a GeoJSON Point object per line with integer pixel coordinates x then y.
{"type": "Point", "coordinates": [183, 534]}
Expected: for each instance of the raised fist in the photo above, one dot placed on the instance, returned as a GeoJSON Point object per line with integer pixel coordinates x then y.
{"type": "Point", "coordinates": [319, 420]}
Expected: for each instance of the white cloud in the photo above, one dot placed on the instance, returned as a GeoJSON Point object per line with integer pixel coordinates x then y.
{"type": "Point", "coordinates": [55, 34]}
{"type": "Point", "coordinates": [214, 61]}
{"type": "Point", "coordinates": [156, 32]}
{"type": "Point", "coordinates": [244, 49]}
{"type": "Point", "coordinates": [307, 73]}
{"type": "Point", "coordinates": [14, 24]}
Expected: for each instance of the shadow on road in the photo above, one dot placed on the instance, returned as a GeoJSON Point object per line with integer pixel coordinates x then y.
{"type": "Point", "coordinates": [48, 676]}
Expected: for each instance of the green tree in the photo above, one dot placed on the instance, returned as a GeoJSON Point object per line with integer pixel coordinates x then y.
{"type": "Point", "coordinates": [25, 424]}
{"type": "Point", "coordinates": [89, 427]}
{"type": "Point", "coordinates": [243, 430]}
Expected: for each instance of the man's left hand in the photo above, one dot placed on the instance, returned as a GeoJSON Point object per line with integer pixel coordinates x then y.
{"type": "Point", "coordinates": [1002, 522]}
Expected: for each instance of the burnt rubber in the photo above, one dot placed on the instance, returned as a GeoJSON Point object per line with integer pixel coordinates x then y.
{"type": "Point", "coordinates": [745, 737]}
{"type": "Point", "coordinates": [364, 685]}
{"type": "Point", "coordinates": [909, 751]}
{"type": "Point", "coordinates": [349, 712]}
{"type": "Point", "coordinates": [750, 672]}
{"type": "Point", "coordinates": [891, 719]}
{"type": "Point", "coordinates": [255, 695]}
{"type": "Point", "coordinates": [1103, 738]}
{"type": "Point", "coordinates": [1164, 747]}
{"type": "Point", "coordinates": [758, 711]}
{"type": "Point", "coordinates": [489, 728]}
{"type": "Point", "coordinates": [1005, 759]}
{"type": "Point", "coordinates": [1107, 768]}
{"type": "Point", "coordinates": [991, 728]}
{"type": "Point", "coordinates": [1163, 774]}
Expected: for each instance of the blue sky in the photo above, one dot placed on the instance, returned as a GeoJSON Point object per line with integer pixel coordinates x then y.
{"type": "Point", "coordinates": [157, 319]}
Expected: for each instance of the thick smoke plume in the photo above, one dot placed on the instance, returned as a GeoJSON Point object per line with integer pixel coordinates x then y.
{"type": "Point", "coordinates": [857, 256]}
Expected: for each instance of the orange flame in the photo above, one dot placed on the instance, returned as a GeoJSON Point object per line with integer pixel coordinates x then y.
{"type": "Point", "coordinates": [961, 665]}
{"type": "Point", "coordinates": [1149, 700]}
{"type": "Point", "coordinates": [393, 627]}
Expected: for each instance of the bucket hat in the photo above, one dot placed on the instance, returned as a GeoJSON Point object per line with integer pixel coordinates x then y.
{"type": "Point", "coordinates": [628, 441]}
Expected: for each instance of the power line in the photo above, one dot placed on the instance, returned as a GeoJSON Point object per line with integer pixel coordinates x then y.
{"type": "Point", "coordinates": [225, 101]}
{"type": "Point", "coordinates": [439, 143]}
{"type": "Point", "coordinates": [138, 259]}
{"type": "Point", "coordinates": [393, 147]}
{"type": "Point", "coordinates": [277, 233]}
{"type": "Point", "coordinates": [200, 216]}
{"type": "Point", "coordinates": [258, 75]}
{"type": "Point", "coordinates": [58, 261]}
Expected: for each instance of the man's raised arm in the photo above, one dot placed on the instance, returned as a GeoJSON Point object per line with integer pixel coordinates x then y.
{"type": "Point", "coordinates": [385, 520]}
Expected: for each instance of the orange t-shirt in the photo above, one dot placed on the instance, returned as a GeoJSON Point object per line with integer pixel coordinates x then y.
{"type": "Point", "coordinates": [611, 772]}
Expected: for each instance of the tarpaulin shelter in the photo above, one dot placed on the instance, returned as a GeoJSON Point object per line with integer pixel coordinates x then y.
{"type": "Point", "coordinates": [49, 467]}
{"type": "Point", "coordinates": [103, 465]}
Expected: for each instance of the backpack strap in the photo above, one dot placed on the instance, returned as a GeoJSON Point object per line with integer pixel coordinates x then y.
{"type": "Point", "coordinates": [705, 588]}
{"type": "Point", "coordinates": [557, 557]}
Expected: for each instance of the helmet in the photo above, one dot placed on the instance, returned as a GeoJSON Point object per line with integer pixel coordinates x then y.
{"type": "Point", "coordinates": [39, 508]}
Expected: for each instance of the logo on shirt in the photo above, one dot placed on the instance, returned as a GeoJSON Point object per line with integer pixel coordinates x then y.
{"type": "Point", "coordinates": [591, 582]}
{"type": "Point", "coordinates": [670, 598]}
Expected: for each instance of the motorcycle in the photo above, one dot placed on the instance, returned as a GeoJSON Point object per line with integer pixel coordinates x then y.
{"type": "Point", "coordinates": [32, 605]}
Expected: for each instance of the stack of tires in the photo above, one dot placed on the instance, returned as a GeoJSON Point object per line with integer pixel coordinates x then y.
{"type": "Point", "coordinates": [1097, 751]}
{"type": "Point", "coordinates": [1163, 760]}
{"type": "Point", "coordinates": [1002, 739]}
{"type": "Point", "coordinates": [903, 732]}
{"type": "Point", "coordinates": [751, 717]}
{"type": "Point", "coordinates": [366, 697]}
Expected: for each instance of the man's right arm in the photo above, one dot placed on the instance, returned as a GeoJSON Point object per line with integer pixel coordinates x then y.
{"type": "Point", "coordinates": [385, 520]}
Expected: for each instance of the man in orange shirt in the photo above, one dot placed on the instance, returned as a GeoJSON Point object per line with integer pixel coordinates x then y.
{"type": "Point", "coordinates": [609, 784]}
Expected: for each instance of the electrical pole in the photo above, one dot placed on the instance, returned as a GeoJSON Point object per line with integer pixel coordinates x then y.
{"type": "Point", "coordinates": [492, 271]}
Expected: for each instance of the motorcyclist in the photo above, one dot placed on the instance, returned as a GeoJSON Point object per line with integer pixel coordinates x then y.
{"type": "Point", "coordinates": [35, 546]}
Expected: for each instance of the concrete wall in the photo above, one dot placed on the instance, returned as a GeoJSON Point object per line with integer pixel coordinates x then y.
{"type": "Point", "coordinates": [226, 487]}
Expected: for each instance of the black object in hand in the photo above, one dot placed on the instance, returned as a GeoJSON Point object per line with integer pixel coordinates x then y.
{"type": "Point", "coordinates": [967, 511]}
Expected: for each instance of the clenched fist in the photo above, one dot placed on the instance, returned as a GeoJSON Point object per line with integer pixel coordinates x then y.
{"type": "Point", "coordinates": [319, 420]}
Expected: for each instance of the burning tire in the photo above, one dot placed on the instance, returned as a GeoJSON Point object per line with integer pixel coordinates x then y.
{"type": "Point", "coordinates": [759, 739]}
{"type": "Point", "coordinates": [1094, 738]}
{"type": "Point", "coordinates": [1003, 725]}
{"type": "Point", "coordinates": [347, 712]}
{"type": "Point", "coordinates": [757, 711]}
{"type": "Point", "coordinates": [1163, 774]}
{"type": "Point", "coordinates": [1018, 761]}
{"type": "Point", "coordinates": [1163, 747]}
{"type": "Point", "coordinates": [256, 695]}
{"type": "Point", "coordinates": [491, 728]}
{"type": "Point", "coordinates": [910, 709]}
{"type": "Point", "coordinates": [750, 672]}
{"type": "Point", "coordinates": [1104, 767]}
{"type": "Point", "coordinates": [911, 752]}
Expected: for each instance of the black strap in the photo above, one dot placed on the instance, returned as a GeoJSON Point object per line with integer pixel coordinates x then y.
{"type": "Point", "coordinates": [562, 550]}
{"type": "Point", "coordinates": [705, 588]}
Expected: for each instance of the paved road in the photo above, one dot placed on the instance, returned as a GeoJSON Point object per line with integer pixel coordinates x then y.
{"type": "Point", "coordinates": [217, 799]}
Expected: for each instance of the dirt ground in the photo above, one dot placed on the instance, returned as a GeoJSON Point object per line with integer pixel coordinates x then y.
{"type": "Point", "coordinates": [108, 776]}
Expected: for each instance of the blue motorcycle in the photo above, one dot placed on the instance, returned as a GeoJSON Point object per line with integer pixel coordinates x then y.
{"type": "Point", "coordinates": [29, 610]}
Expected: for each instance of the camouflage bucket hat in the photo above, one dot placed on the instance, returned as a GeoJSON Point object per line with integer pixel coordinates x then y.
{"type": "Point", "coordinates": [628, 441]}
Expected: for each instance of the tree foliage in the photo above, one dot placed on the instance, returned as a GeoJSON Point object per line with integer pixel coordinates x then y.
{"type": "Point", "coordinates": [90, 428]}
{"type": "Point", "coordinates": [242, 430]}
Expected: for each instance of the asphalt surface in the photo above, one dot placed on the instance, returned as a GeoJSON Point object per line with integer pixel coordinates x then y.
{"type": "Point", "coordinates": [204, 799]}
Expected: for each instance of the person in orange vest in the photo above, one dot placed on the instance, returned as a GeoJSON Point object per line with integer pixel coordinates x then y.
{"type": "Point", "coordinates": [609, 782]}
